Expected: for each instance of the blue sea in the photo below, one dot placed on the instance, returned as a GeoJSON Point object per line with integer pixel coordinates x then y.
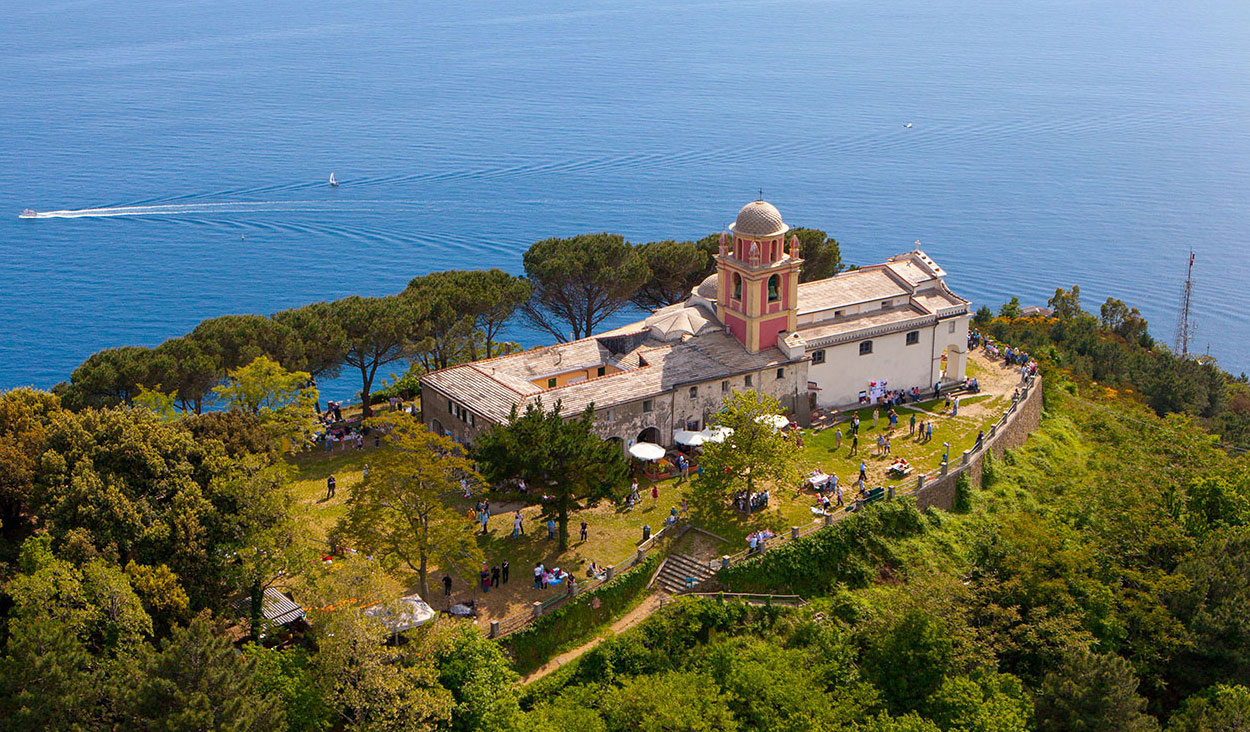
{"type": "Point", "coordinates": [180, 151]}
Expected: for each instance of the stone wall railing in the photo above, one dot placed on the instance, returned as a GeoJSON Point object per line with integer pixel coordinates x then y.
{"type": "Point", "coordinates": [937, 488]}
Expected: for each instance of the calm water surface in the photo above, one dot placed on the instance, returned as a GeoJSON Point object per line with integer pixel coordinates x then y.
{"type": "Point", "coordinates": [1052, 143]}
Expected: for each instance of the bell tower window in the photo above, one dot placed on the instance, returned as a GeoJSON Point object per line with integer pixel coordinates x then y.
{"type": "Point", "coordinates": [737, 286]}
{"type": "Point", "coordinates": [774, 288]}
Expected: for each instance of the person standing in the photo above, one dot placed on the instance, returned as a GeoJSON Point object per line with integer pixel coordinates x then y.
{"type": "Point", "coordinates": [863, 471]}
{"type": "Point", "coordinates": [330, 487]}
{"type": "Point", "coordinates": [551, 528]}
{"type": "Point", "coordinates": [854, 445]}
{"type": "Point", "coordinates": [494, 576]}
{"type": "Point", "coordinates": [655, 494]}
{"type": "Point", "coordinates": [911, 430]}
{"type": "Point", "coordinates": [446, 585]}
{"type": "Point", "coordinates": [955, 407]}
{"type": "Point", "coordinates": [538, 576]}
{"type": "Point", "coordinates": [837, 439]}
{"type": "Point", "coordinates": [518, 526]}
{"type": "Point", "coordinates": [505, 571]}
{"type": "Point", "coordinates": [585, 527]}
{"type": "Point", "coordinates": [929, 431]}
{"type": "Point", "coordinates": [484, 577]}
{"type": "Point", "coordinates": [876, 412]}
{"type": "Point", "coordinates": [685, 509]}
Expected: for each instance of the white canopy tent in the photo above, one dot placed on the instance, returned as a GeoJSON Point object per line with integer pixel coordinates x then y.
{"type": "Point", "coordinates": [692, 439]}
{"type": "Point", "coordinates": [778, 421]}
{"type": "Point", "coordinates": [648, 451]}
{"type": "Point", "coordinates": [409, 611]}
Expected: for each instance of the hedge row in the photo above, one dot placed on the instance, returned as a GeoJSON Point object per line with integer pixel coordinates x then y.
{"type": "Point", "coordinates": [847, 552]}
{"type": "Point", "coordinates": [572, 623]}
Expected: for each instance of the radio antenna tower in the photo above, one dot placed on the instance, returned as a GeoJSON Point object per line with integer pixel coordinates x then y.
{"type": "Point", "coordinates": [1185, 329]}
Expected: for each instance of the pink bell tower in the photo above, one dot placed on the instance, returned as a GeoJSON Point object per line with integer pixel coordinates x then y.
{"type": "Point", "coordinates": [758, 279]}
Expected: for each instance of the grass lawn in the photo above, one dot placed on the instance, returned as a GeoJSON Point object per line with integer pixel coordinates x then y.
{"type": "Point", "coordinates": [615, 532]}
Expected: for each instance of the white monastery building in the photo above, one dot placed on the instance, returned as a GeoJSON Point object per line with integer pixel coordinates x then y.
{"type": "Point", "coordinates": [829, 343]}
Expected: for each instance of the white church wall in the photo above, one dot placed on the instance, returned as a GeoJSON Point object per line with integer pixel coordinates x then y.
{"type": "Point", "coordinates": [845, 373]}
{"type": "Point", "coordinates": [952, 333]}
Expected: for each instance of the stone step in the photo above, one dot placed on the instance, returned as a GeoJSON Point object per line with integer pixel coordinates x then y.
{"type": "Point", "coordinates": [679, 567]}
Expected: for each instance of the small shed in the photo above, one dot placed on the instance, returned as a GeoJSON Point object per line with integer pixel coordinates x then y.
{"type": "Point", "coordinates": [277, 608]}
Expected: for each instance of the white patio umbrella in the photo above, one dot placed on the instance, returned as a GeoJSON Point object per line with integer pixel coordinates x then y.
{"type": "Point", "coordinates": [717, 434]}
{"type": "Point", "coordinates": [778, 421]}
{"type": "Point", "coordinates": [648, 451]}
{"type": "Point", "coordinates": [686, 437]}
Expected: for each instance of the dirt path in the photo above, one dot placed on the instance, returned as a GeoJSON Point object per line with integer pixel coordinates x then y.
{"type": "Point", "coordinates": [649, 605]}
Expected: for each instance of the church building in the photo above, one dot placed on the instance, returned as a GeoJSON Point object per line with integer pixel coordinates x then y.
{"type": "Point", "coordinates": [830, 343]}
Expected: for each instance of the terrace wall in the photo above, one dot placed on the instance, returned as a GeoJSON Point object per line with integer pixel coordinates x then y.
{"type": "Point", "coordinates": [1014, 427]}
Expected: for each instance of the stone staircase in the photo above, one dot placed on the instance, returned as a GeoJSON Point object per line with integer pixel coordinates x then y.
{"type": "Point", "coordinates": [681, 573]}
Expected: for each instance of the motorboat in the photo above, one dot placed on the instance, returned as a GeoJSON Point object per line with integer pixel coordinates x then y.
{"type": "Point", "coordinates": [333, 182]}
{"type": "Point", "coordinates": [907, 125]}
{"type": "Point", "coordinates": [28, 213]}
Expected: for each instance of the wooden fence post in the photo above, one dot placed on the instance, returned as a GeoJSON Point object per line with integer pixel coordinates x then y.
{"type": "Point", "coordinates": [494, 629]}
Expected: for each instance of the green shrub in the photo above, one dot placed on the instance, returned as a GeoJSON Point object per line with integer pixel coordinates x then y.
{"type": "Point", "coordinates": [962, 503]}
{"type": "Point", "coordinates": [845, 553]}
{"type": "Point", "coordinates": [579, 619]}
{"type": "Point", "coordinates": [989, 470]}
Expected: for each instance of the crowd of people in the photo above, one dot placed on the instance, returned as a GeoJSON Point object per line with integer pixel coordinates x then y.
{"type": "Point", "coordinates": [748, 502]}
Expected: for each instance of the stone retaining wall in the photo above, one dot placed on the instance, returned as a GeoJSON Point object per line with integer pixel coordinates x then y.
{"type": "Point", "coordinates": [1017, 423]}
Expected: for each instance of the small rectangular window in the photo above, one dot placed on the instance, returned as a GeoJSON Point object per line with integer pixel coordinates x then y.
{"type": "Point", "coordinates": [818, 356]}
{"type": "Point", "coordinates": [694, 392]}
{"type": "Point", "coordinates": [913, 337]}
{"type": "Point", "coordinates": [951, 327]}
{"type": "Point", "coordinates": [602, 370]}
{"type": "Point", "coordinates": [837, 313]}
{"type": "Point", "coordinates": [748, 380]}
{"type": "Point", "coordinates": [724, 387]}
{"type": "Point", "coordinates": [781, 373]}
{"type": "Point", "coordinates": [865, 348]}
{"type": "Point", "coordinates": [885, 305]}
{"type": "Point", "coordinates": [646, 405]}
{"type": "Point", "coordinates": [551, 383]}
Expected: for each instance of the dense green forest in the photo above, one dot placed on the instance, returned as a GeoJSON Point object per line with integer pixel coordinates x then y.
{"type": "Point", "coordinates": [1097, 580]}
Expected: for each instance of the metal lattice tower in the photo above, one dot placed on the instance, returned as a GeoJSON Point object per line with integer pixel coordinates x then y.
{"type": "Point", "coordinates": [1184, 328]}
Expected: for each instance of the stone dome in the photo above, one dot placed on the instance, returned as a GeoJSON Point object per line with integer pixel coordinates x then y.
{"type": "Point", "coordinates": [760, 220]}
{"type": "Point", "coordinates": [707, 288]}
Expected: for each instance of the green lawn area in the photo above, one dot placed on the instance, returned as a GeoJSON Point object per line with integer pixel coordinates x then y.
{"type": "Point", "coordinates": [615, 532]}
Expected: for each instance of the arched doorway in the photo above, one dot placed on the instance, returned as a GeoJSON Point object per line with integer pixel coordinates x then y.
{"type": "Point", "coordinates": [650, 434]}
{"type": "Point", "coordinates": [437, 428]}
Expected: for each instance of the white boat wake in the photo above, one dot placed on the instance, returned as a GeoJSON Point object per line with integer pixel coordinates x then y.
{"type": "Point", "coordinates": [179, 209]}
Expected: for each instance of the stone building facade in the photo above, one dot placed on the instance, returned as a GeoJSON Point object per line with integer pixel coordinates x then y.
{"type": "Point", "coordinates": [749, 326]}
